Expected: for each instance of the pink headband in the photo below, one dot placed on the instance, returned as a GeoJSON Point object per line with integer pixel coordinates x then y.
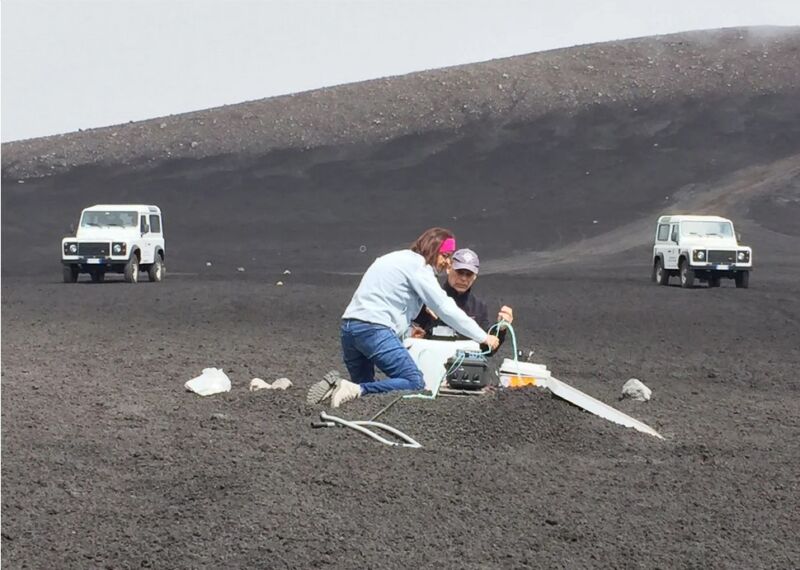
{"type": "Point", "coordinates": [448, 246]}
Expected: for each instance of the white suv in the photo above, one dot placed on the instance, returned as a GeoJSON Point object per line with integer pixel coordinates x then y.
{"type": "Point", "coordinates": [116, 238]}
{"type": "Point", "coordinates": [701, 248]}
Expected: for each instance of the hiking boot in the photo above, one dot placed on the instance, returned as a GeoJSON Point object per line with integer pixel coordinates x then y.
{"type": "Point", "coordinates": [322, 390]}
{"type": "Point", "coordinates": [345, 392]}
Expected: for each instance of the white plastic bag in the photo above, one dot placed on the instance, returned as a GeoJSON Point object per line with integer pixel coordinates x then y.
{"type": "Point", "coordinates": [211, 381]}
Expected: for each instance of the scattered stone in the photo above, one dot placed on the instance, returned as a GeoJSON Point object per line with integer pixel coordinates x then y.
{"type": "Point", "coordinates": [636, 390]}
{"type": "Point", "coordinates": [220, 417]}
{"type": "Point", "coordinates": [240, 269]}
{"type": "Point", "coordinates": [281, 384]}
{"type": "Point", "coordinates": [258, 384]}
{"type": "Point", "coordinates": [194, 144]}
{"type": "Point", "coordinates": [279, 284]}
{"type": "Point", "coordinates": [287, 272]}
{"type": "Point", "coordinates": [208, 264]}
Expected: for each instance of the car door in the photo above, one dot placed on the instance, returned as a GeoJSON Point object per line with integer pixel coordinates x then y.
{"type": "Point", "coordinates": [671, 249]}
{"type": "Point", "coordinates": [146, 241]}
{"type": "Point", "coordinates": [156, 233]}
{"type": "Point", "coordinates": [660, 246]}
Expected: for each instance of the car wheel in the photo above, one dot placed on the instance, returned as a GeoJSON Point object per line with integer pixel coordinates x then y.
{"type": "Point", "coordinates": [687, 275]}
{"type": "Point", "coordinates": [661, 275]}
{"type": "Point", "coordinates": [156, 271]}
{"type": "Point", "coordinates": [70, 273]}
{"type": "Point", "coordinates": [714, 282]}
{"type": "Point", "coordinates": [742, 280]}
{"type": "Point", "coordinates": [97, 275]}
{"type": "Point", "coordinates": [132, 270]}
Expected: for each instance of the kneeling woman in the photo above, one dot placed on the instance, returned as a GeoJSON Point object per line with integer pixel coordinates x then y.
{"type": "Point", "coordinates": [390, 294]}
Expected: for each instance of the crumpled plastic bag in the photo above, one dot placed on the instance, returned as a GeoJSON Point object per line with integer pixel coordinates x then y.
{"type": "Point", "coordinates": [211, 381]}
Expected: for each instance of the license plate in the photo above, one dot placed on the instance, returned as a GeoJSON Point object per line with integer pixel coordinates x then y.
{"type": "Point", "coordinates": [94, 261]}
{"type": "Point", "coordinates": [721, 267]}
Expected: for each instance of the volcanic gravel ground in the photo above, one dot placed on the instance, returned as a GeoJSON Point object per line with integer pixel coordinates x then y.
{"type": "Point", "coordinates": [107, 462]}
{"type": "Point", "coordinates": [115, 464]}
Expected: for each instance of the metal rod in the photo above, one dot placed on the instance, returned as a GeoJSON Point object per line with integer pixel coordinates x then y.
{"type": "Point", "coordinates": [386, 408]}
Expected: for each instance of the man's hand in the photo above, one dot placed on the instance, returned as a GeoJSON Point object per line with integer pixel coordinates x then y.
{"type": "Point", "coordinates": [417, 331]}
{"type": "Point", "coordinates": [506, 314]}
{"type": "Point", "coordinates": [492, 341]}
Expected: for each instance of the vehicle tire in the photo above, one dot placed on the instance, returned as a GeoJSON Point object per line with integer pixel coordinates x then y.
{"type": "Point", "coordinates": [156, 271]}
{"type": "Point", "coordinates": [742, 279]}
{"type": "Point", "coordinates": [70, 273]}
{"type": "Point", "coordinates": [660, 275]}
{"type": "Point", "coordinates": [714, 281]}
{"type": "Point", "coordinates": [132, 269]}
{"type": "Point", "coordinates": [687, 275]}
{"type": "Point", "coordinates": [97, 275]}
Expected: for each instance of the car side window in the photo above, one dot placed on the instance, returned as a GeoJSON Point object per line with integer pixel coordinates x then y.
{"type": "Point", "coordinates": [155, 224]}
{"type": "Point", "coordinates": [663, 232]}
{"type": "Point", "coordinates": [143, 224]}
{"type": "Point", "coordinates": [674, 236]}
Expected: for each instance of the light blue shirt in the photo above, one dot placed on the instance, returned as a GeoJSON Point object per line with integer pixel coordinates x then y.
{"type": "Point", "coordinates": [393, 290]}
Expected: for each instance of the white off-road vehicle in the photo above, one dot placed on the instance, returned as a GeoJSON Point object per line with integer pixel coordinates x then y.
{"type": "Point", "coordinates": [703, 248]}
{"type": "Point", "coordinates": [116, 238]}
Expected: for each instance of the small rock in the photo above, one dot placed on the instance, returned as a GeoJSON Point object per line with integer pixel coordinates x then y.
{"type": "Point", "coordinates": [279, 284]}
{"type": "Point", "coordinates": [220, 417]}
{"type": "Point", "coordinates": [194, 144]}
{"type": "Point", "coordinates": [208, 264]}
{"type": "Point", "coordinates": [240, 269]}
{"type": "Point", "coordinates": [281, 384]}
{"type": "Point", "coordinates": [287, 272]}
{"type": "Point", "coordinates": [258, 384]}
{"type": "Point", "coordinates": [636, 390]}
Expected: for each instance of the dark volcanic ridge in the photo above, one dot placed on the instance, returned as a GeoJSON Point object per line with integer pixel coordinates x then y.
{"type": "Point", "coordinates": [632, 73]}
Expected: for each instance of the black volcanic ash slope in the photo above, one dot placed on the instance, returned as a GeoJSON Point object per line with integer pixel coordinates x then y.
{"type": "Point", "coordinates": [519, 154]}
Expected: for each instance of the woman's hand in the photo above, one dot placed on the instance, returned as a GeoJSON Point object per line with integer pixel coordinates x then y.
{"type": "Point", "coordinates": [491, 341]}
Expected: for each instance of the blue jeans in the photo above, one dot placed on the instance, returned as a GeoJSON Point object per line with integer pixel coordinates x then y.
{"type": "Point", "coordinates": [367, 345]}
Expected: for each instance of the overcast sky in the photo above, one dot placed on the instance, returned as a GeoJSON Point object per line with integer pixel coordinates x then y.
{"type": "Point", "coordinates": [70, 64]}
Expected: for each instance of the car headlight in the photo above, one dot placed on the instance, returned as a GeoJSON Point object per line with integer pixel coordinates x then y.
{"type": "Point", "coordinates": [71, 248]}
{"type": "Point", "coordinates": [699, 255]}
{"type": "Point", "coordinates": [743, 256]}
{"type": "Point", "coordinates": [119, 248]}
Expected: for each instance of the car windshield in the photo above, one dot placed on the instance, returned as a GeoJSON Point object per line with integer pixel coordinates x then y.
{"type": "Point", "coordinates": [99, 218]}
{"type": "Point", "coordinates": [721, 229]}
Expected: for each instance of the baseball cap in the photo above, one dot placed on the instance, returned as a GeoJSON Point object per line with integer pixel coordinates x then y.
{"type": "Point", "coordinates": [466, 259]}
